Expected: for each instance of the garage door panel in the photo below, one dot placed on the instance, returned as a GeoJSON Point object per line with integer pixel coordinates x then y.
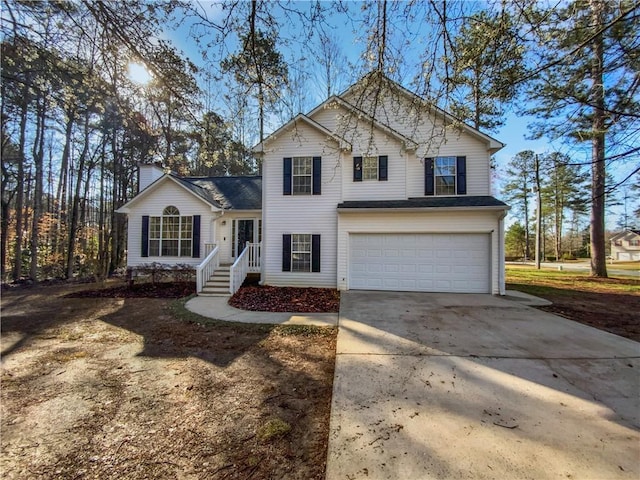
{"type": "Point", "coordinates": [420, 262]}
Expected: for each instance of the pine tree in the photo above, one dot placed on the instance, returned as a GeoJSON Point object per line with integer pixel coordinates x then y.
{"type": "Point", "coordinates": [587, 91]}
{"type": "Point", "coordinates": [517, 191]}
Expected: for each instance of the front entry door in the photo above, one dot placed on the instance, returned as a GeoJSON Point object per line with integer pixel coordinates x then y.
{"type": "Point", "coordinates": [244, 234]}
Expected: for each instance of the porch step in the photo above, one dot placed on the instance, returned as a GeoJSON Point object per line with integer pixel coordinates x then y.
{"type": "Point", "coordinates": [218, 284]}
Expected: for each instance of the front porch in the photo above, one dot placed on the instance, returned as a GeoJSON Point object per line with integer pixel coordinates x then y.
{"type": "Point", "coordinates": [216, 278]}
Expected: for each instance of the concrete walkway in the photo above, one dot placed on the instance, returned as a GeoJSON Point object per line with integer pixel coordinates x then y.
{"type": "Point", "coordinates": [443, 386]}
{"type": "Point", "coordinates": [218, 308]}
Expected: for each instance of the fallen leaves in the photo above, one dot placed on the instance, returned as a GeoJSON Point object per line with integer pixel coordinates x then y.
{"type": "Point", "coordinates": [286, 299]}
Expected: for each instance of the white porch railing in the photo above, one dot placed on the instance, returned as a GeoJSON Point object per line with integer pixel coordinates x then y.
{"type": "Point", "coordinates": [206, 268]}
{"type": "Point", "coordinates": [208, 247]}
{"type": "Point", "coordinates": [247, 262]}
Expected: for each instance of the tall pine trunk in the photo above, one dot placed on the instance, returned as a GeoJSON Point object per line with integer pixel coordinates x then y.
{"type": "Point", "coordinates": [597, 229]}
{"type": "Point", "coordinates": [38, 160]}
{"type": "Point", "coordinates": [61, 195]}
{"type": "Point", "coordinates": [17, 266]}
{"type": "Point", "coordinates": [74, 220]}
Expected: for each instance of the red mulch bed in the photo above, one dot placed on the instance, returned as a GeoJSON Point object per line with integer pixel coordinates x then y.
{"type": "Point", "coordinates": [140, 290]}
{"type": "Point", "coordinates": [286, 299]}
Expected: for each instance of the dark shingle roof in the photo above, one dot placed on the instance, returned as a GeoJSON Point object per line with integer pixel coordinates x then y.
{"type": "Point", "coordinates": [426, 202]}
{"type": "Point", "coordinates": [230, 193]}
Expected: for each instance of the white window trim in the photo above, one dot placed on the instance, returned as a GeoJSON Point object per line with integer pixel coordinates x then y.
{"type": "Point", "coordinates": [455, 176]}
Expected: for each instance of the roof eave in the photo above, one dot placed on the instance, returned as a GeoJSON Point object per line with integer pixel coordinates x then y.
{"type": "Point", "coordinates": [414, 209]}
{"type": "Point", "coordinates": [126, 208]}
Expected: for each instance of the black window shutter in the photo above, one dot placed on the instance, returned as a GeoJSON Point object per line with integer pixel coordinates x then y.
{"type": "Point", "coordinates": [315, 253]}
{"type": "Point", "coordinates": [145, 236]}
{"type": "Point", "coordinates": [286, 253]}
{"type": "Point", "coordinates": [383, 162]}
{"type": "Point", "coordinates": [461, 171]}
{"type": "Point", "coordinates": [287, 177]}
{"type": "Point", "coordinates": [357, 169]}
{"type": "Point", "coordinates": [317, 175]}
{"type": "Point", "coordinates": [429, 187]}
{"type": "Point", "coordinates": [195, 241]}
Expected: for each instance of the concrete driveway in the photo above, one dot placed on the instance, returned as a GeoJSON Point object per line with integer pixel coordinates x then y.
{"type": "Point", "coordinates": [443, 386]}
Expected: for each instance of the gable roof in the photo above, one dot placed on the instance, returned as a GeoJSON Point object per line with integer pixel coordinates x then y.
{"type": "Point", "coordinates": [220, 193]}
{"type": "Point", "coordinates": [630, 232]}
{"type": "Point", "coordinates": [301, 118]}
{"type": "Point", "coordinates": [494, 145]}
{"type": "Point", "coordinates": [407, 142]}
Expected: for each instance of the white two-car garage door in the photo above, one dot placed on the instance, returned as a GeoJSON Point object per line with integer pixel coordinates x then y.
{"type": "Point", "coordinates": [422, 262]}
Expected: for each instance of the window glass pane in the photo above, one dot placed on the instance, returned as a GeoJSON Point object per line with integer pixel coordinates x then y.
{"type": "Point", "coordinates": [370, 168]}
{"type": "Point", "coordinates": [445, 175]}
{"type": "Point", "coordinates": [170, 227]}
{"type": "Point", "coordinates": [186, 227]}
{"type": "Point", "coordinates": [170, 248]}
{"type": "Point", "coordinates": [302, 185]}
{"type": "Point", "coordinates": [302, 165]}
{"type": "Point", "coordinates": [302, 168]}
{"type": "Point", "coordinates": [154, 248]}
{"type": "Point", "coordinates": [300, 262]}
{"type": "Point", "coordinates": [154, 227]}
{"type": "Point", "coordinates": [171, 210]}
{"type": "Point", "coordinates": [301, 253]}
{"type": "Point", "coordinates": [445, 166]}
{"type": "Point", "coordinates": [446, 185]}
{"type": "Point", "coordinates": [185, 248]}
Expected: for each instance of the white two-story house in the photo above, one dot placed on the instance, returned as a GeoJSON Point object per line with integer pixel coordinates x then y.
{"type": "Point", "coordinates": [373, 189]}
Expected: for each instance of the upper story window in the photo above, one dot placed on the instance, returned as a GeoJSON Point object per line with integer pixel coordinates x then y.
{"type": "Point", "coordinates": [370, 168]}
{"type": "Point", "coordinates": [302, 176]}
{"type": "Point", "coordinates": [171, 235]}
{"type": "Point", "coordinates": [302, 171]}
{"type": "Point", "coordinates": [445, 176]}
{"type": "Point", "coordinates": [634, 243]}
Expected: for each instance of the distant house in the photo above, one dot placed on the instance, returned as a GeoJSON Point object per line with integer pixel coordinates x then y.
{"type": "Point", "coordinates": [374, 189]}
{"type": "Point", "coordinates": [625, 245]}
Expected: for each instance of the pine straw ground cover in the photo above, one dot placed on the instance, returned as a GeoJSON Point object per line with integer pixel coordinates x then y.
{"type": "Point", "coordinates": [286, 299]}
{"type": "Point", "coordinates": [110, 388]}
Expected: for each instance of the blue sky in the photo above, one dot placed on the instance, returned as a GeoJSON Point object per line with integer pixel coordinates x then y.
{"type": "Point", "coordinates": [514, 134]}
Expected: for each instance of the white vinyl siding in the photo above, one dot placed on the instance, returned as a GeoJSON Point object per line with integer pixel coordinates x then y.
{"type": "Point", "coordinates": [310, 214]}
{"type": "Point", "coordinates": [446, 222]}
{"type": "Point", "coordinates": [435, 139]}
